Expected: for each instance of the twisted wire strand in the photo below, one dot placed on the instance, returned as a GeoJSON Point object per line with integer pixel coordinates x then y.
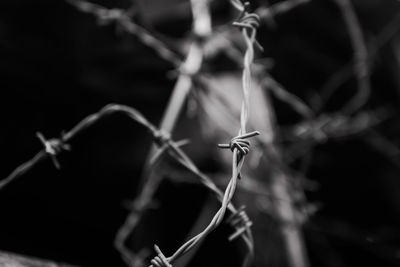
{"type": "Point", "coordinates": [182, 158]}
{"type": "Point", "coordinates": [173, 148]}
{"type": "Point", "coordinates": [240, 221]}
{"type": "Point", "coordinates": [55, 145]}
{"type": "Point", "coordinates": [105, 16]}
{"type": "Point", "coordinates": [160, 260]}
{"type": "Point", "coordinates": [248, 22]}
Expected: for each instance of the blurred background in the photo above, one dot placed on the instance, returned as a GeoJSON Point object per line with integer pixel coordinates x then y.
{"type": "Point", "coordinates": [326, 104]}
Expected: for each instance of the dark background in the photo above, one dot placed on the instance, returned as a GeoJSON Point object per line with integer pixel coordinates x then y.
{"type": "Point", "coordinates": [57, 66]}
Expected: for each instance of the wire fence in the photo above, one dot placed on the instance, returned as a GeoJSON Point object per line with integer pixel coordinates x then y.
{"type": "Point", "coordinates": [189, 68]}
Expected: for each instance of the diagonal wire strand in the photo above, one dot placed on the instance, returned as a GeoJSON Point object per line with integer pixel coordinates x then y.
{"type": "Point", "coordinates": [248, 23]}
{"type": "Point", "coordinates": [121, 17]}
{"type": "Point", "coordinates": [173, 149]}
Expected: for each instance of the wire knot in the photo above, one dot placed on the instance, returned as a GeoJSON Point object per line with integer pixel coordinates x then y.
{"type": "Point", "coordinates": [53, 147]}
{"type": "Point", "coordinates": [160, 260]}
{"type": "Point", "coordinates": [161, 137]}
{"type": "Point", "coordinates": [240, 221]}
{"type": "Point", "coordinates": [247, 19]}
{"type": "Point", "coordinates": [240, 143]}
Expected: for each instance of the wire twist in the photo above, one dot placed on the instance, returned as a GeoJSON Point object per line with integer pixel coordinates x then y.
{"type": "Point", "coordinates": [240, 221]}
{"type": "Point", "coordinates": [239, 146]}
{"type": "Point", "coordinates": [52, 147]}
{"type": "Point", "coordinates": [240, 143]}
{"type": "Point", "coordinates": [160, 260]}
{"type": "Point", "coordinates": [248, 22]}
{"type": "Point", "coordinates": [161, 137]}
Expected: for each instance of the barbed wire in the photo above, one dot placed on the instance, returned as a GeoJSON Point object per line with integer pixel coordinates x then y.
{"type": "Point", "coordinates": [122, 18]}
{"type": "Point", "coordinates": [54, 146]}
{"type": "Point", "coordinates": [247, 22]}
{"type": "Point", "coordinates": [240, 147]}
{"type": "Point", "coordinates": [159, 137]}
{"type": "Point", "coordinates": [187, 70]}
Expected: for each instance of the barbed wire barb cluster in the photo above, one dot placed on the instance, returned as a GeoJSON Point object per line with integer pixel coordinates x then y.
{"type": "Point", "coordinates": [248, 22]}
{"type": "Point", "coordinates": [172, 147]}
{"type": "Point", "coordinates": [299, 139]}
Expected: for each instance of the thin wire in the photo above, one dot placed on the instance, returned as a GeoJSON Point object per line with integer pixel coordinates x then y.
{"type": "Point", "coordinates": [66, 137]}
{"type": "Point", "coordinates": [248, 23]}
{"type": "Point", "coordinates": [23, 168]}
{"type": "Point", "coordinates": [108, 15]}
{"type": "Point", "coordinates": [188, 69]}
{"type": "Point", "coordinates": [173, 149]}
{"type": "Point", "coordinates": [105, 16]}
{"type": "Point", "coordinates": [360, 67]}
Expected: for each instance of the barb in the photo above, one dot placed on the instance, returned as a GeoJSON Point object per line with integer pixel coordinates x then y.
{"type": "Point", "coordinates": [172, 147]}
{"type": "Point", "coordinates": [160, 260]}
{"type": "Point", "coordinates": [181, 157]}
{"type": "Point", "coordinates": [267, 13]}
{"type": "Point", "coordinates": [240, 143]}
{"type": "Point", "coordinates": [191, 66]}
{"type": "Point", "coordinates": [53, 147]}
{"type": "Point", "coordinates": [187, 69]}
{"type": "Point", "coordinates": [106, 16]}
{"type": "Point", "coordinates": [248, 23]}
{"type": "Point", "coordinates": [240, 221]}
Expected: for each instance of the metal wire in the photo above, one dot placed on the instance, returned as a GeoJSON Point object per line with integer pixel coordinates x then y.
{"type": "Point", "coordinates": [119, 16]}
{"type": "Point", "coordinates": [247, 22]}
{"type": "Point", "coordinates": [161, 138]}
